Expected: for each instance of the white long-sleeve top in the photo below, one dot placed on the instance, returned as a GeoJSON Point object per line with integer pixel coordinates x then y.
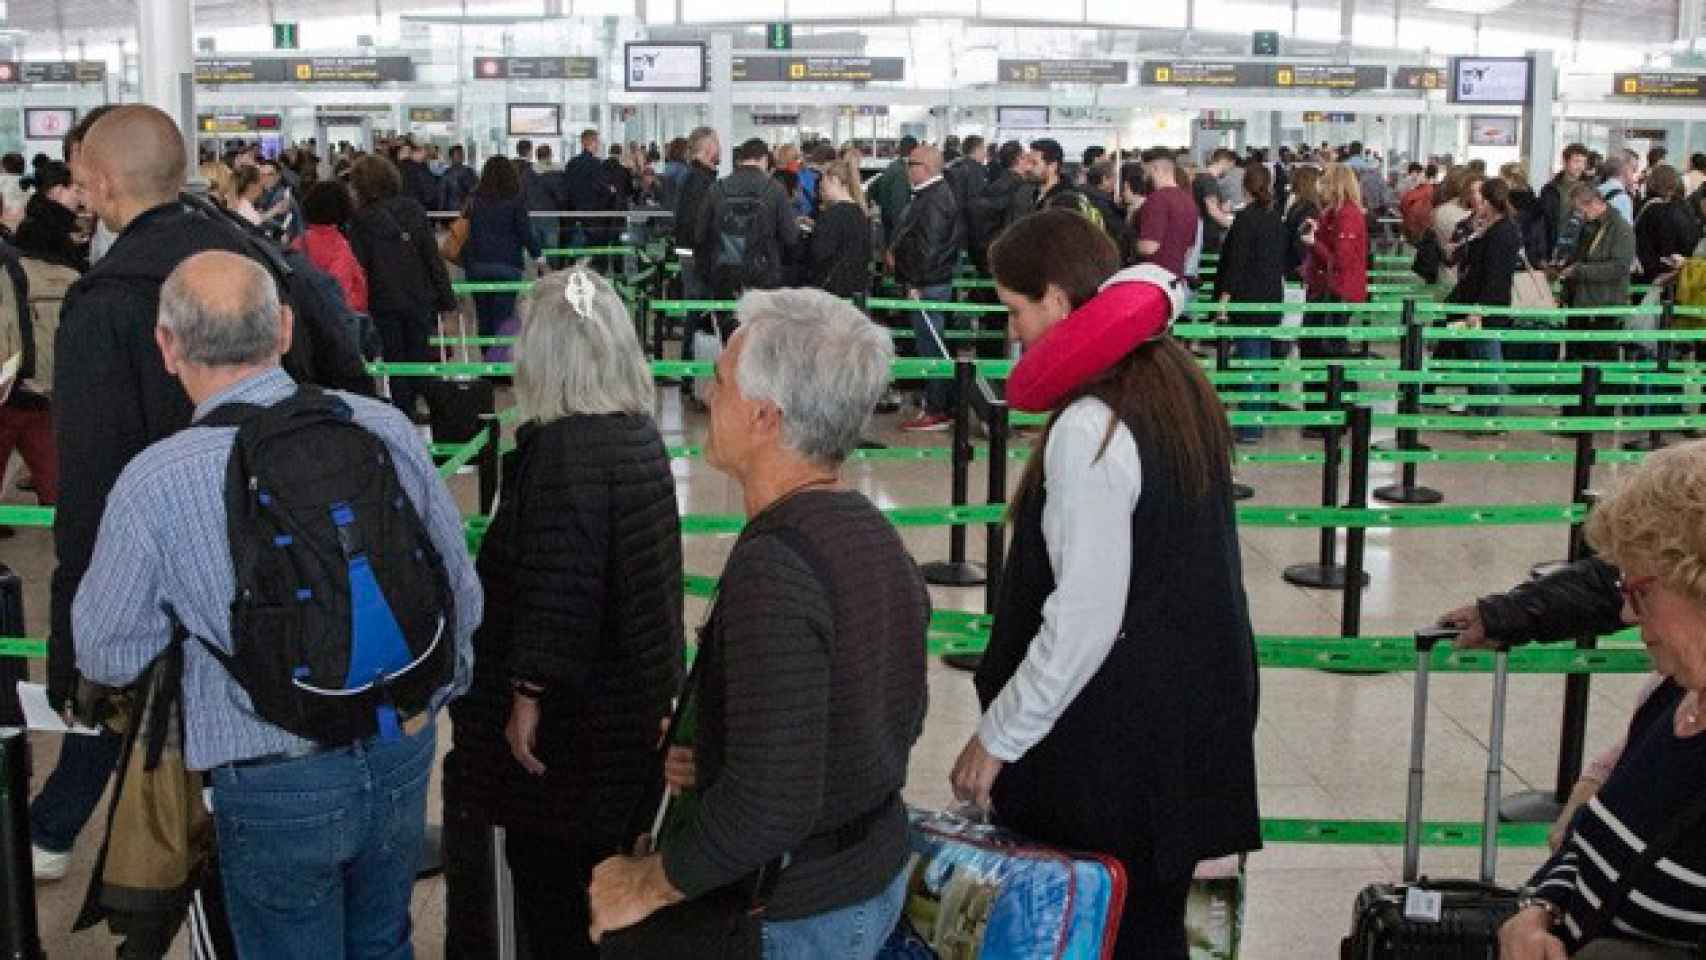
{"type": "Point", "coordinates": [1087, 530]}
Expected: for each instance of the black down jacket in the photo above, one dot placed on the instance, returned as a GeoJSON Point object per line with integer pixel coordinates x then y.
{"type": "Point", "coordinates": [1579, 600]}
{"type": "Point", "coordinates": [582, 572]}
{"type": "Point", "coordinates": [929, 237]}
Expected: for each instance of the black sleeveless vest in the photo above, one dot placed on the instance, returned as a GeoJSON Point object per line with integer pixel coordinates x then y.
{"type": "Point", "coordinates": [1154, 761]}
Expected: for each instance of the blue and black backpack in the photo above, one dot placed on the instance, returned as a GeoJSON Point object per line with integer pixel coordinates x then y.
{"type": "Point", "coordinates": [343, 623]}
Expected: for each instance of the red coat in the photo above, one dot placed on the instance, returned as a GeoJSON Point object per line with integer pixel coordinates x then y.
{"type": "Point", "coordinates": [1338, 263]}
{"type": "Point", "coordinates": [327, 246]}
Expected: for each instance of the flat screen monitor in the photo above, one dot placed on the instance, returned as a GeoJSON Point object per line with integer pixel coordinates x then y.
{"type": "Point", "coordinates": [535, 119]}
{"type": "Point", "coordinates": [48, 123]}
{"type": "Point", "coordinates": [1494, 131]}
{"type": "Point", "coordinates": [1021, 116]}
{"type": "Point", "coordinates": [1495, 81]}
{"type": "Point", "coordinates": [673, 67]}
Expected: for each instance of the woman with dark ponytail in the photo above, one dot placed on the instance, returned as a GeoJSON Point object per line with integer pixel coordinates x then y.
{"type": "Point", "coordinates": [1119, 687]}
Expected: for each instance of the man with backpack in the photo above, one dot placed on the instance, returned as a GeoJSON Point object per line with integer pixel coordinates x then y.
{"type": "Point", "coordinates": [298, 550]}
{"type": "Point", "coordinates": [747, 224]}
{"type": "Point", "coordinates": [1563, 227]}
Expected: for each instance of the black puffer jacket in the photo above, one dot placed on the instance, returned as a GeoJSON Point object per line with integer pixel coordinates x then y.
{"type": "Point", "coordinates": [1582, 599]}
{"type": "Point", "coordinates": [929, 237]}
{"type": "Point", "coordinates": [395, 245]}
{"type": "Point", "coordinates": [582, 572]}
{"type": "Point", "coordinates": [47, 231]}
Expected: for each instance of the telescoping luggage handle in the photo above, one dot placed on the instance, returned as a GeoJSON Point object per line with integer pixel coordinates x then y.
{"type": "Point", "coordinates": [1426, 640]}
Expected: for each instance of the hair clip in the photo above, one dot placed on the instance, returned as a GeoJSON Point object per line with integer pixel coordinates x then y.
{"type": "Point", "coordinates": [579, 292]}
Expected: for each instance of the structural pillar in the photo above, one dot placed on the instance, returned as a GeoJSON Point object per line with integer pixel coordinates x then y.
{"type": "Point", "coordinates": [722, 117]}
{"type": "Point", "coordinates": [166, 63]}
{"type": "Point", "coordinates": [1347, 23]}
{"type": "Point", "coordinates": [1538, 137]}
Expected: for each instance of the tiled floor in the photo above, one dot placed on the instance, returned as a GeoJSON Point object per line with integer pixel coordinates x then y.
{"type": "Point", "coordinates": [1330, 745]}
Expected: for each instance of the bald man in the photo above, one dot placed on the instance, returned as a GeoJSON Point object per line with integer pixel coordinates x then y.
{"type": "Point", "coordinates": [316, 837]}
{"type": "Point", "coordinates": [925, 250]}
{"type": "Point", "coordinates": [112, 398]}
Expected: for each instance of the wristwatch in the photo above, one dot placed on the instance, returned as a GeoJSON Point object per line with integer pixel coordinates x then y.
{"type": "Point", "coordinates": [1554, 913]}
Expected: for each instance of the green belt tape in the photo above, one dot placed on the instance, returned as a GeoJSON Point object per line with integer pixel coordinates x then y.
{"type": "Point", "coordinates": [1409, 517]}
{"type": "Point", "coordinates": [1531, 313]}
{"type": "Point", "coordinates": [1287, 418]}
{"type": "Point", "coordinates": [1506, 457]}
{"type": "Point", "coordinates": [974, 283]}
{"type": "Point", "coordinates": [1542, 366]}
{"type": "Point", "coordinates": [1428, 421]}
{"type": "Point", "coordinates": [1233, 395]}
{"type": "Point", "coordinates": [1350, 364]}
{"type": "Point", "coordinates": [464, 456]}
{"type": "Point", "coordinates": [1610, 457]}
{"type": "Point", "coordinates": [1391, 833]}
{"type": "Point", "coordinates": [21, 516]}
{"type": "Point", "coordinates": [1621, 377]}
{"type": "Point", "coordinates": [933, 306]}
{"type": "Point", "coordinates": [1209, 331]}
{"type": "Point", "coordinates": [1281, 459]}
{"type": "Point", "coordinates": [1501, 400]}
{"type": "Point", "coordinates": [1210, 307]}
{"type": "Point", "coordinates": [492, 286]}
{"type": "Point", "coordinates": [1221, 377]}
{"type": "Point", "coordinates": [22, 647]}
{"type": "Point", "coordinates": [609, 251]}
{"type": "Point", "coordinates": [472, 341]}
{"type": "Point", "coordinates": [1566, 336]}
{"type": "Point", "coordinates": [1467, 378]}
{"type": "Point", "coordinates": [441, 369]}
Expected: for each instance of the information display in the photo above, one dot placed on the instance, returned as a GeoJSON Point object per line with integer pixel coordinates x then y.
{"type": "Point", "coordinates": [304, 70]}
{"type": "Point", "coordinates": [1663, 85]}
{"type": "Point", "coordinates": [1419, 78]}
{"type": "Point", "coordinates": [432, 114]}
{"type": "Point", "coordinates": [1282, 76]}
{"type": "Point", "coordinates": [535, 68]}
{"type": "Point", "coordinates": [1495, 131]}
{"type": "Point", "coordinates": [1495, 81]}
{"type": "Point", "coordinates": [48, 123]}
{"type": "Point", "coordinates": [53, 71]}
{"type": "Point", "coordinates": [1063, 71]}
{"type": "Point", "coordinates": [818, 69]}
{"type": "Point", "coordinates": [1021, 116]}
{"type": "Point", "coordinates": [535, 119]}
{"type": "Point", "coordinates": [239, 122]}
{"type": "Point", "coordinates": [1318, 116]}
{"type": "Point", "coordinates": [665, 67]}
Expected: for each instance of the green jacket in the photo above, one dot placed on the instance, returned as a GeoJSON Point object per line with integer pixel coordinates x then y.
{"type": "Point", "coordinates": [890, 191]}
{"type": "Point", "coordinates": [1601, 275]}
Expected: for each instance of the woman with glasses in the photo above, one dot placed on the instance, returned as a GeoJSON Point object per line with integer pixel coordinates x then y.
{"type": "Point", "coordinates": [1629, 880]}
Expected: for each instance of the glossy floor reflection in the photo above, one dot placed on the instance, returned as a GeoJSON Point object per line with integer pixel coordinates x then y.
{"type": "Point", "coordinates": [1330, 745]}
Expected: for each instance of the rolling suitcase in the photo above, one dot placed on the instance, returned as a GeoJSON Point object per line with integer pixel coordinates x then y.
{"type": "Point", "coordinates": [456, 404]}
{"type": "Point", "coordinates": [1438, 919]}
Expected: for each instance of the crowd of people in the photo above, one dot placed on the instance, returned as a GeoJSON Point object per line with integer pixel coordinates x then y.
{"type": "Point", "coordinates": [244, 523]}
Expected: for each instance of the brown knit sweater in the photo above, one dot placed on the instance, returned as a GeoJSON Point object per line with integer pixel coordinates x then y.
{"type": "Point", "coordinates": [810, 702]}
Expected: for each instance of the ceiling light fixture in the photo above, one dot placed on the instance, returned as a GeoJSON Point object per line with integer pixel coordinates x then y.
{"type": "Point", "coordinates": [1476, 7]}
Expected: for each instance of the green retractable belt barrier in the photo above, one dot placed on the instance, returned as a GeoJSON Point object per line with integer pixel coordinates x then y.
{"type": "Point", "coordinates": [464, 455]}
{"type": "Point", "coordinates": [1391, 833]}
{"type": "Point", "coordinates": [22, 647]}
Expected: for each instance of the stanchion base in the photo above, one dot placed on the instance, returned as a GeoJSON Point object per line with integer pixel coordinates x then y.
{"type": "Point", "coordinates": [1393, 446]}
{"type": "Point", "coordinates": [1530, 806]}
{"type": "Point", "coordinates": [1398, 493]}
{"type": "Point", "coordinates": [1640, 445]}
{"type": "Point", "coordinates": [872, 445]}
{"type": "Point", "coordinates": [950, 574]}
{"type": "Point", "coordinates": [1242, 491]}
{"type": "Point", "coordinates": [432, 853]}
{"type": "Point", "coordinates": [1318, 576]}
{"type": "Point", "coordinates": [969, 662]}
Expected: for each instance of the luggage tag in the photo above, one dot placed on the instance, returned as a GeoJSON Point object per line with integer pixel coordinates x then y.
{"type": "Point", "coordinates": [1423, 905]}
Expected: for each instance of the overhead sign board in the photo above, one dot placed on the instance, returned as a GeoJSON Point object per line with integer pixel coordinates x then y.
{"type": "Point", "coordinates": [1318, 116]}
{"type": "Point", "coordinates": [214, 123]}
{"type": "Point", "coordinates": [775, 119]}
{"type": "Point", "coordinates": [304, 70]}
{"type": "Point", "coordinates": [1419, 78]}
{"type": "Point", "coordinates": [1664, 85]}
{"type": "Point", "coordinates": [53, 71]}
{"type": "Point", "coordinates": [779, 36]}
{"type": "Point", "coordinates": [432, 114]}
{"type": "Point", "coordinates": [1063, 71]}
{"type": "Point", "coordinates": [535, 68]}
{"type": "Point", "coordinates": [1279, 76]}
{"type": "Point", "coordinates": [829, 69]}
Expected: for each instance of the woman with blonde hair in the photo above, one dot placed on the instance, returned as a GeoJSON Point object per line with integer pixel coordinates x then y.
{"type": "Point", "coordinates": [841, 237]}
{"type": "Point", "coordinates": [577, 661]}
{"type": "Point", "coordinates": [1338, 254]}
{"type": "Point", "coordinates": [221, 183]}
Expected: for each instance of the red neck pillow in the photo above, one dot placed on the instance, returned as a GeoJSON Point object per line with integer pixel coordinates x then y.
{"type": "Point", "coordinates": [1088, 343]}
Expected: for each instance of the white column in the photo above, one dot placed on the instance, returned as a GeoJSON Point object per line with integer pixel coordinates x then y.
{"type": "Point", "coordinates": [722, 117]}
{"type": "Point", "coordinates": [1538, 137]}
{"type": "Point", "coordinates": [165, 41]}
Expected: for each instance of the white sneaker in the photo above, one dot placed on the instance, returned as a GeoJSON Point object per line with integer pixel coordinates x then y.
{"type": "Point", "coordinates": [47, 865]}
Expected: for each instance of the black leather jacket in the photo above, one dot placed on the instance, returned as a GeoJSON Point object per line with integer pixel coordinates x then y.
{"type": "Point", "coordinates": [1581, 599]}
{"type": "Point", "coordinates": [929, 237]}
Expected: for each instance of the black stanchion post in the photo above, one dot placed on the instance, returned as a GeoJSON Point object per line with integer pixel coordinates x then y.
{"type": "Point", "coordinates": [1409, 402]}
{"type": "Point", "coordinates": [1223, 363]}
{"type": "Point", "coordinates": [19, 936]}
{"type": "Point", "coordinates": [488, 462]}
{"type": "Point", "coordinates": [1356, 536]}
{"type": "Point", "coordinates": [956, 572]}
{"type": "Point", "coordinates": [1325, 573]}
{"type": "Point", "coordinates": [1543, 806]}
{"type": "Point", "coordinates": [995, 547]}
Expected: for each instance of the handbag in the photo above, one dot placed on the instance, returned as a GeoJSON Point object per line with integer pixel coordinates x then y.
{"type": "Point", "coordinates": [1530, 290]}
{"type": "Point", "coordinates": [450, 248]}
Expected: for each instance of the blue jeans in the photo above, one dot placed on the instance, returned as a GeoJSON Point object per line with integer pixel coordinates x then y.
{"type": "Point", "coordinates": [855, 932]}
{"type": "Point", "coordinates": [940, 396]}
{"type": "Point", "coordinates": [1491, 351]}
{"type": "Point", "coordinates": [1253, 350]}
{"type": "Point", "coordinates": [492, 310]}
{"type": "Point", "coordinates": [319, 855]}
{"type": "Point", "coordinates": [68, 798]}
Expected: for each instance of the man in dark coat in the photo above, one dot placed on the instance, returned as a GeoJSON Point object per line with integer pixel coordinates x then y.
{"type": "Point", "coordinates": [587, 186]}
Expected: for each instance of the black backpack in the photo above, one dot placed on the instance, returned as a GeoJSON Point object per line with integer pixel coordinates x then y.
{"type": "Point", "coordinates": [744, 257]}
{"type": "Point", "coordinates": [343, 623]}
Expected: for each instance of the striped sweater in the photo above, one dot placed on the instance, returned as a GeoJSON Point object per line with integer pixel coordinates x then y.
{"type": "Point", "coordinates": [1658, 777]}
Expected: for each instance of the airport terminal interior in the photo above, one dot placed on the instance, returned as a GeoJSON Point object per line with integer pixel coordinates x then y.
{"type": "Point", "coordinates": [1389, 463]}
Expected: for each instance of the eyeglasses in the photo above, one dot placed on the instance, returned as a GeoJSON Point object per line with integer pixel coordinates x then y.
{"type": "Point", "coordinates": [1635, 590]}
{"type": "Point", "coordinates": [915, 163]}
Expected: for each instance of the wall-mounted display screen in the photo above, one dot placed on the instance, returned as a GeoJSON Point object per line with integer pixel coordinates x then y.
{"type": "Point", "coordinates": [535, 119]}
{"type": "Point", "coordinates": [1499, 81]}
{"type": "Point", "coordinates": [665, 67]}
{"type": "Point", "coordinates": [48, 123]}
{"type": "Point", "coordinates": [1021, 116]}
{"type": "Point", "coordinates": [1494, 131]}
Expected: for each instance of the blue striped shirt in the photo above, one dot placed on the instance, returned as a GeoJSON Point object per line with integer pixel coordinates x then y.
{"type": "Point", "coordinates": [163, 541]}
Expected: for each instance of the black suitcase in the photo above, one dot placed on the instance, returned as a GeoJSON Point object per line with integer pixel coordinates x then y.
{"type": "Point", "coordinates": [456, 405]}
{"type": "Point", "coordinates": [1404, 920]}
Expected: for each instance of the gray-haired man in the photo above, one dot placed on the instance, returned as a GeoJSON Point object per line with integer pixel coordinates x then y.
{"type": "Point", "coordinates": [318, 838]}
